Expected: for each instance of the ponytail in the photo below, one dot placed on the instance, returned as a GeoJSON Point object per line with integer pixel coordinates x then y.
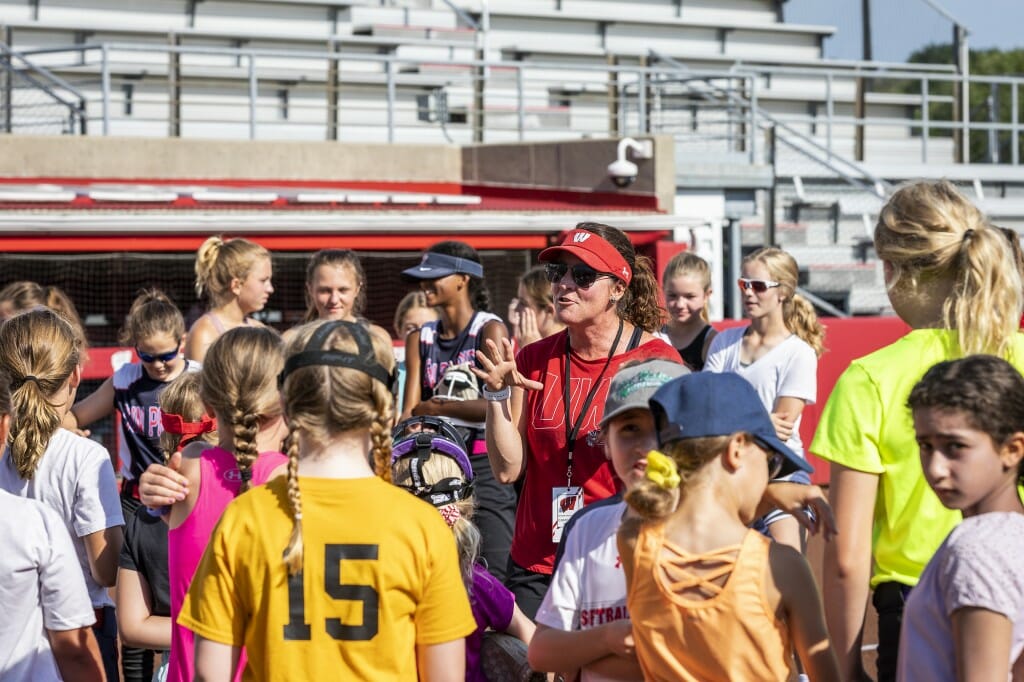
{"type": "Point", "coordinates": [39, 351]}
{"type": "Point", "coordinates": [984, 307]}
{"type": "Point", "coordinates": [931, 235]}
{"type": "Point", "coordinates": [640, 305]}
{"type": "Point", "coordinates": [800, 318]}
{"type": "Point", "coordinates": [654, 500]}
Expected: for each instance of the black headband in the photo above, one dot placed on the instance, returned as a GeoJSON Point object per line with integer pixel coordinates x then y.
{"type": "Point", "coordinates": [363, 360]}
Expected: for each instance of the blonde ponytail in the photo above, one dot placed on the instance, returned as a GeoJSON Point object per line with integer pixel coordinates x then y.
{"type": "Point", "coordinates": [985, 309]}
{"type": "Point", "coordinates": [219, 261]}
{"type": "Point", "coordinates": [653, 501]}
{"type": "Point", "coordinates": [800, 318]}
{"type": "Point", "coordinates": [39, 351]}
{"type": "Point", "coordinates": [929, 234]}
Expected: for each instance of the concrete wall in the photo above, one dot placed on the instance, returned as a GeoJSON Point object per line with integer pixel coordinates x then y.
{"type": "Point", "coordinates": [23, 156]}
{"type": "Point", "coordinates": [575, 165]}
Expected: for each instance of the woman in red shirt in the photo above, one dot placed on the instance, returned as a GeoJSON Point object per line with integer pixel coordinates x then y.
{"type": "Point", "coordinates": [545, 405]}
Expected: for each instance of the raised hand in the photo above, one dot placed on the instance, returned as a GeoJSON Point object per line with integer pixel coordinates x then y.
{"type": "Point", "coordinates": [528, 329]}
{"type": "Point", "coordinates": [499, 368]}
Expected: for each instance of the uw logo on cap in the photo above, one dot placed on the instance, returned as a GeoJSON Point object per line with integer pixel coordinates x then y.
{"type": "Point", "coordinates": [580, 237]}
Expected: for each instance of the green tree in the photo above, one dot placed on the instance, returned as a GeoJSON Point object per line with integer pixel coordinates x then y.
{"type": "Point", "coordinates": [988, 102]}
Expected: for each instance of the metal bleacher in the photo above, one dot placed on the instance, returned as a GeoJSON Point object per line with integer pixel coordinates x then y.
{"type": "Point", "coordinates": [756, 110]}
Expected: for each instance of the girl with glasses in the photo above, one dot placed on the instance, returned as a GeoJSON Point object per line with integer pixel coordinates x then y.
{"type": "Point", "coordinates": [778, 354]}
{"type": "Point", "coordinates": [954, 279]}
{"type": "Point", "coordinates": [155, 328]}
{"type": "Point", "coordinates": [546, 403]}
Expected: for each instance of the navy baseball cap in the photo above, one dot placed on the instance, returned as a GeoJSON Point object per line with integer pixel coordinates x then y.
{"type": "Point", "coordinates": [437, 265]}
{"type": "Point", "coordinates": [706, 404]}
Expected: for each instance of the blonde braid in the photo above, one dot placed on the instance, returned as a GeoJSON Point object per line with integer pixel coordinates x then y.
{"type": "Point", "coordinates": [245, 427]}
{"type": "Point", "coordinates": [380, 433]}
{"type": "Point", "coordinates": [293, 552]}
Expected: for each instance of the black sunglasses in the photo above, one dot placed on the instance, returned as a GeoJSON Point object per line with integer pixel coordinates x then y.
{"type": "Point", "coordinates": [162, 357]}
{"type": "Point", "coordinates": [583, 275]}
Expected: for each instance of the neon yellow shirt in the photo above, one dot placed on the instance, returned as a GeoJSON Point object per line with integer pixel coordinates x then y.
{"type": "Point", "coordinates": [380, 576]}
{"type": "Point", "coordinates": [867, 426]}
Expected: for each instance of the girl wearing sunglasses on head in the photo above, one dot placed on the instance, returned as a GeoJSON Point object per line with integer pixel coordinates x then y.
{"type": "Point", "coordinates": [546, 404]}
{"type": "Point", "coordinates": [778, 354]}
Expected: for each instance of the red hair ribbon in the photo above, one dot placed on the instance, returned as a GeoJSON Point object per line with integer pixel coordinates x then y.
{"type": "Point", "coordinates": [176, 424]}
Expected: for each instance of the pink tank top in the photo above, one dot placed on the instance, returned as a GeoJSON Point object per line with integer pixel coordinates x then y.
{"type": "Point", "coordinates": [219, 483]}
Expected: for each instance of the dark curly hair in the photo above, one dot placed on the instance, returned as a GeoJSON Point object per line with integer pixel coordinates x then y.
{"type": "Point", "coordinates": [988, 391]}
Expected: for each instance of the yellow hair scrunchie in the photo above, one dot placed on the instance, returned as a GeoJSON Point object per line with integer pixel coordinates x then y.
{"type": "Point", "coordinates": [662, 471]}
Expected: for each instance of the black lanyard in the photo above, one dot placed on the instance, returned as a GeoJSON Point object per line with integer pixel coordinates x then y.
{"type": "Point", "coordinates": [573, 431]}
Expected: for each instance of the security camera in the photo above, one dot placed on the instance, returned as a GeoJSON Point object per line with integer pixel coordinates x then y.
{"type": "Point", "coordinates": [622, 171]}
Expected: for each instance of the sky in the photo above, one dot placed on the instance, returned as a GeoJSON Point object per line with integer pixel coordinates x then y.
{"type": "Point", "coordinates": [901, 26]}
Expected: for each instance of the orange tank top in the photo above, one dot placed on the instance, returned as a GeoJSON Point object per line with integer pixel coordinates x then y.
{"type": "Point", "coordinates": [731, 635]}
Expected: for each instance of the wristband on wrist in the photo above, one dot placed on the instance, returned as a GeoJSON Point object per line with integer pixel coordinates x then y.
{"type": "Point", "coordinates": [496, 396]}
{"type": "Point", "coordinates": [159, 511]}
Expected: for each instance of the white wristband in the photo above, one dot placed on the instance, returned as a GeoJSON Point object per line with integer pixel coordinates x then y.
{"type": "Point", "coordinates": [496, 396]}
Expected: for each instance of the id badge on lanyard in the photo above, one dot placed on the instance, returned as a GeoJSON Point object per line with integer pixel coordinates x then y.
{"type": "Point", "coordinates": [565, 501]}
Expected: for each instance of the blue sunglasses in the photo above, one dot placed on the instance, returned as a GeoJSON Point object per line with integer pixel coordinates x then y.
{"type": "Point", "coordinates": [162, 357]}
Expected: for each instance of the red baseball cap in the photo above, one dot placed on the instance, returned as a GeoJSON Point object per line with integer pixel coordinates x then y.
{"type": "Point", "coordinates": [593, 250]}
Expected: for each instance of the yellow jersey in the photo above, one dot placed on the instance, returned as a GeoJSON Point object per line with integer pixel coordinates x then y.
{"type": "Point", "coordinates": [380, 576]}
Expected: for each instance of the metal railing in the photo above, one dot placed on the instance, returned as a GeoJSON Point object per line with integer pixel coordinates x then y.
{"type": "Point", "coordinates": [147, 89]}
{"type": "Point", "coordinates": [34, 100]}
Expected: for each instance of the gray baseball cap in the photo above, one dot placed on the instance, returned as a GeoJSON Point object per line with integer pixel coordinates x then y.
{"type": "Point", "coordinates": [633, 385]}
